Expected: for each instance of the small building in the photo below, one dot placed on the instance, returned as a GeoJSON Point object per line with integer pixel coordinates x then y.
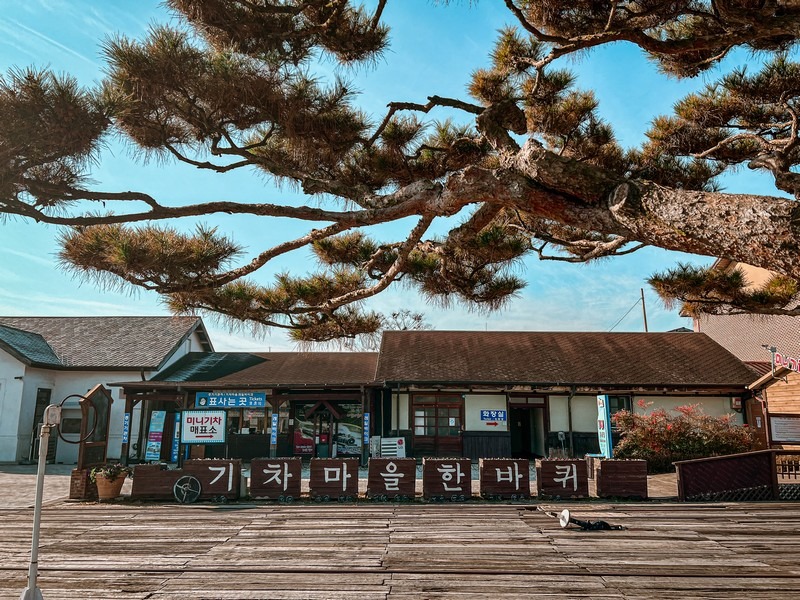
{"type": "Point", "coordinates": [445, 393]}
{"type": "Point", "coordinates": [318, 398]}
{"type": "Point", "coordinates": [528, 394]}
{"type": "Point", "coordinates": [46, 360]}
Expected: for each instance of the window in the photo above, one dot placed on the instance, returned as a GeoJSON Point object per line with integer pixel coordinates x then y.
{"type": "Point", "coordinates": [617, 403]}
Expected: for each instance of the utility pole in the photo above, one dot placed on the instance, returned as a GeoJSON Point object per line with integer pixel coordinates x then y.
{"type": "Point", "coordinates": [644, 310]}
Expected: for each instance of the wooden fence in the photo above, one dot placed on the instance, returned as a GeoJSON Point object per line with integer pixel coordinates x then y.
{"type": "Point", "coordinates": [750, 476]}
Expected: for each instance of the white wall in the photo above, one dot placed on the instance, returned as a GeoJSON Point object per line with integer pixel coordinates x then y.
{"type": "Point", "coordinates": [584, 413]}
{"type": "Point", "coordinates": [475, 403]}
{"type": "Point", "coordinates": [400, 404]}
{"type": "Point", "coordinates": [10, 394]}
{"type": "Point", "coordinates": [191, 344]}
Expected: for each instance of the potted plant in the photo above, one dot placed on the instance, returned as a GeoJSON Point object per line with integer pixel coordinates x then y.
{"type": "Point", "coordinates": [109, 479]}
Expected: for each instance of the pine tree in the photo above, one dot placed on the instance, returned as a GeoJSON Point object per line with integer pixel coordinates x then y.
{"type": "Point", "coordinates": [230, 86]}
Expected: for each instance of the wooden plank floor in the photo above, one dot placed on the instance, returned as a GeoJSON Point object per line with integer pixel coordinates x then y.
{"type": "Point", "coordinates": [372, 551]}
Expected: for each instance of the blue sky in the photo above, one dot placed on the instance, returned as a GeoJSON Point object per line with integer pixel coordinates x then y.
{"type": "Point", "coordinates": [434, 49]}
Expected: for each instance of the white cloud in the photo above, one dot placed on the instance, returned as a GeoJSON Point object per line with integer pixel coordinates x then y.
{"type": "Point", "coordinates": [46, 39]}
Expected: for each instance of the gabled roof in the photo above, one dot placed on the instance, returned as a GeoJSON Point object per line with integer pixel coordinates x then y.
{"type": "Point", "coordinates": [97, 343]}
{"type": "Point", "coordinates": [268, 369]}
{"type": "Point", "coordinates": [27, 347]}
{"type": "Point", "coordinates": [558, 358]}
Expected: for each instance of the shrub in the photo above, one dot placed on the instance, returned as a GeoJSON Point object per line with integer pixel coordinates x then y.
{"type": "Point", "coordinates": [661, 438]}
{"type": "Point", "coordinates": [110, 472]}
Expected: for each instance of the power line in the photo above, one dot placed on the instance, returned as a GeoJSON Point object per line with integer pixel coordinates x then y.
{"type": "Point", "coordinates": [635, 304]}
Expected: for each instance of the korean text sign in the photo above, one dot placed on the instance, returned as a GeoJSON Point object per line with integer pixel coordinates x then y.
{"type": "Point", "coordinates": [231, 399]}
{"type": "Point", "coordinates": [203, 427]}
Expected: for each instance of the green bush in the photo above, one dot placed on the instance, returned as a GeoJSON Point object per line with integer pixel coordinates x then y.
{"type": "Point", "coordinates": [661, 438]}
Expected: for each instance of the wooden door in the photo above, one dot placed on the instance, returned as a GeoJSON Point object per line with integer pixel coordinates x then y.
{"type": "Point", "coordinates": [438, 422]}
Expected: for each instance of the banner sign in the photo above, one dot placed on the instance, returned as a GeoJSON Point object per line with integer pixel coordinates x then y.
{"type": "Point", "coordinates": [231, 400]}
{"type": "Point", "coordinates": [273, 439]}
{"type": "Point", "coordinates": [155, 435]}
{"type": "Point", "coordinates": [126, 427]}
{"type": "Point", "coordinates": [203, 426]}
{"type": "Point", "coordinates": [175, 441]}
{"type": "Point", "coordinates": [365, 429]}
{"type": "Point", "coordinates": [604, 426]}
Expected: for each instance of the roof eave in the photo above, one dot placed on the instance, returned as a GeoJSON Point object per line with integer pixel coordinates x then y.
{"type": "Point", "coordinates": [769, 378]}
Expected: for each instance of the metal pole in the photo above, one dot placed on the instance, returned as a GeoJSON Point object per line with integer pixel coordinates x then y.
{"type": "Point", "coordinates": [52, 416]}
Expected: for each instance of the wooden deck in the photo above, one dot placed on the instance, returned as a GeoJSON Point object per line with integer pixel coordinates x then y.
{"type": "Point", "coordinates": [385, 551]}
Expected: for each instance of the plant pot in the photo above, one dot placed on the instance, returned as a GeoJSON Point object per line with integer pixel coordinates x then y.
{"type": "Point", "coordinates": [108, 489]}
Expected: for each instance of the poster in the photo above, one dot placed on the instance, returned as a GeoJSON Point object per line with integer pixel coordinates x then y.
{"type": "Point", "coordinates": [155, 435]}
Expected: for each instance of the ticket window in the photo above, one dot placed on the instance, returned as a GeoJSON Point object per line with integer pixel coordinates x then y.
{"type": "Point", "coordinates": [247, 421]}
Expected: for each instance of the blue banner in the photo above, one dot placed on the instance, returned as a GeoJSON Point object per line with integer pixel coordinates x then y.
{"type": "Point", "coordinates": [230, 400]}
{"type": "Point", "coordinates": [366, 428]}
{"type": "Point", "coordinates": [604, 426]}
{"type": "Point", "coordinates": [155, 435]}
{"type": "Point", "coordinates": [274, 432]}
{"type": "Point", "coordinates": [126, 428]}
{"type": "Point", "coordinates": [176, 440]}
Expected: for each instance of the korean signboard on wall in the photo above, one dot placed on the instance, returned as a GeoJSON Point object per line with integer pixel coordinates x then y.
{"type": "Point", "coordinates": [231, 400]}
{"type": "Point", "coordinates": [203, 427]}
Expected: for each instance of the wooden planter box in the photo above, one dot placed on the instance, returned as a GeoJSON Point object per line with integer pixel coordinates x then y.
{"type": "Point", "coordinates": [562, 478]}
{"type": "Point", "coordinates": [621, 478]}
{"type": "Point", "coordinates": [276, 478]}
{"type": "Point", "coordinates": [446, 478]}
{"type": "Point", "coordinates": [505, 478]}
{"type": "Point", "coordinates": [80, 486]}
{"type": "Point", "coordinates": [333, 479]}
{"type": "Point", "coordinates": [391, 478]}
{"type": "Point", "coordinates": [219, 478]}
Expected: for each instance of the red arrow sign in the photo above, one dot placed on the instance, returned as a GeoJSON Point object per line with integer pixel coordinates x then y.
{"type": "Point", "coordinates": [491, 424]}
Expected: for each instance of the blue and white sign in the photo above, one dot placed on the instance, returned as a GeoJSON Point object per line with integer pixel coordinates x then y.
{"type": "Point", "coordinates": [494, 415]}
{"type": "Point", "coordinates": [155, 435]}
{"type": "Point", "coordinates": [231, 400]}
{"type": "Point", "coordinates": [126, 427]}
{"type": "Point", "coordinates": [176, 441]}
{"type": "Point", "coordinates": [604, 426]}
{"type": "Point", "coordinates": [273, 439]}
{"type": "Point", "coordinates": [366, 428]}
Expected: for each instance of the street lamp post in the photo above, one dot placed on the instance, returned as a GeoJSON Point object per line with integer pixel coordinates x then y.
{"type": "Point", "coordinates": [52, 418]}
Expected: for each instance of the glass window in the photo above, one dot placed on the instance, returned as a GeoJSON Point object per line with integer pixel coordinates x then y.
{"type": "Point", "coordinates": [617, 403]}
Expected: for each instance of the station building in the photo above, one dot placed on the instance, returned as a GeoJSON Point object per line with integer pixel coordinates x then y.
{"type": "Point", "coordinates": [435, 393]}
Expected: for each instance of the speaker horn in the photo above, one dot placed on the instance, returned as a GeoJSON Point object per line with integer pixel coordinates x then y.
{"type": "Point", "coordinates": [565, 519]}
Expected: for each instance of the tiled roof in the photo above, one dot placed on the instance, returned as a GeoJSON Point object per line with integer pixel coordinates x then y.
{"type": "Point", "coordinates": [759, 368]}
{"type": "Point", "coordinates": [558, 358]}
{"type": "Point", "coordinates": [27, 346]}
{"type": "Point", "coordinates": [745, 335]}
{"type": "Point", "coordinates": [99, 342]}
{"type": "Point", "coordinates": [272, 369]}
